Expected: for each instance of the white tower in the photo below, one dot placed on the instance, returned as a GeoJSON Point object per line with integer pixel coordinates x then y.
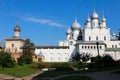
{"type": "Point", "coordinates": [94, 18]}
{"type": "Point", "coordinates": [17, 31]}
{"type": "Point", "coordinates": [103, 21]}
{"type": "Point", "coordinates": [88, 22]}
{"type": "Point", "coordinates": [68, 33]}
{"type": "Point", "coordinates": [76, 29]}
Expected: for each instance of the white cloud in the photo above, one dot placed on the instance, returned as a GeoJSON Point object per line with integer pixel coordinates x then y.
{"type": "Point", "coordinates": [43, 21]}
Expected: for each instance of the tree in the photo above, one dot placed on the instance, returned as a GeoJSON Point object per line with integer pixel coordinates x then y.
{"type": "Point", "coordinates": [6, 60]}
{"type": "Point", "coordinates": [27, 53]}
{"type": "Point", "coordinates": [81, 58]}
{"type": "Point", "coordinates": [108, 61]}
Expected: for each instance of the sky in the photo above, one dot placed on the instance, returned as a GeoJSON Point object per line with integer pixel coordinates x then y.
{"type": "Point", "coordinates": [45, 22]}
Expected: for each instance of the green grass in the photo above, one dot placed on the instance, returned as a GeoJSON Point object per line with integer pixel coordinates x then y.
{"type": "Point", "coordinates": [18, 71]}
{"type": "Point", "coordinates": [77, 77]}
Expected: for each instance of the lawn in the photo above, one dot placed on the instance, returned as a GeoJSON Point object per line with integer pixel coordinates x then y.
{"type": "Point", "coordinates": [77, 77]}
{"type": "Point", "coordinates": [18, 71]}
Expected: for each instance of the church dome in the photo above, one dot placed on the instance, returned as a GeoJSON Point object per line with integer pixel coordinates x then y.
{"type": "Point", "coordinates": [75, 25]}
{"type": "Point", "coordinates": [17, 28]}
{"type": "Point", "coordinates": [68, 31]}
{"type": "Point", "coordinates": [103, 19]}
{"type": "Point", "coordinates": [88, 19]}
{"type": "Point", "coordinates": [94, 15]}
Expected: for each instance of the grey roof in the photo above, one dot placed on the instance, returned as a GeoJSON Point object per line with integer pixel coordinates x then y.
{"type": "Point", "coordinates": [51, 47]}
{"type": "Point", "coordinates": [91, 42]}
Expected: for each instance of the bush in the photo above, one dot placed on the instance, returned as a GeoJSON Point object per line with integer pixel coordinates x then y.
{"type": "Point", "coordinates": [57, 65]}
{"type": "Point", "coordinates": [6, 60]}
{"type": "Point", "coordinates": [108, 61]}
{"type": "Point", "coordinates": [20, 60]}
{"type": "Point", "coordinates": [101, 62]}
{"type": "Point", "coordinates": [28, 60]}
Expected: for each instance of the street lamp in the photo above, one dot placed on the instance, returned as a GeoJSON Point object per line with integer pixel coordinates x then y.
{"type": "Point", "coordinates": [97, 43]}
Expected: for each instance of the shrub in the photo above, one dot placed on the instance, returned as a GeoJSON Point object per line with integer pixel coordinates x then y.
{"type": "Point", "coordinates": [57, 65]}
{"type": "Point", "coordinates": [6, 60]}
{"type": "Point", "coordinates": [107, 61]}
{"type": "Point", "coordinates": [20, 60]}
{"type": "Point", "coordinates": [28, 60]}
{"type": "Point", "coordinates": [34, 65]}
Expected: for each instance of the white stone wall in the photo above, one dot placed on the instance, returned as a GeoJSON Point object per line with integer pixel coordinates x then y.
{"type": "Point", "coordinates": [56, 55]}
{"type": "Point", "coordinates": [92, 49]}
{"type": "Point", "coordinates": [113, 44]}
{"type": "Point", "coordinates": [14, 46]}
{"type": "Point", "coordinates": [96, 32]}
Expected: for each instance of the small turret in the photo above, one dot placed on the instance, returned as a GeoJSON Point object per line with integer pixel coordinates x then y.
{"type": "Point", "coordinates": [17, 31]}
{"type": "Point", "coordinates": [88, 22]}
{"type": "Point", "coordinates": [103, 21]}
{"type": "Point", "coordinates": [94, 18]}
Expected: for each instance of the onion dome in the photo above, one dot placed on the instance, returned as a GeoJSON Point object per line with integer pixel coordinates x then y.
{"type": "Point", "coordinates": [88, 19]}
{"type": "Point", "coordinates": [17, 28]}
{"type": "Point", "coordinates": [94, 15]}
{"type": "Point", "coordinates": [103, 19]}
{"type": "Point", "coordinates": [68, 31]}
{"type": "Point", "coordinates": [113, 34]}
{"type": "Point", "coordinates": [75, 25]}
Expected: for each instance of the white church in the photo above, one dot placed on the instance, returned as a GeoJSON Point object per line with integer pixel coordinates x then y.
{"type": "Point", "coordinates": [83, 40]}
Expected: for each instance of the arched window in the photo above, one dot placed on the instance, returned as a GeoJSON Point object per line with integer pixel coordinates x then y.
{"type": "Point", "coordinates": [96, 37]}
{"type": "Point", "coordinates": [91, 47]}
{"type": "Point", "coordinates": [12, 45]}
{"type": "Point", "coordinates": [105, 38]}
{"type": "Point", "coordinates": [88, 47]}
{"type": "Point", "coordinates": [82, 47]}
{"type": "Point", "coordinates": [89, 38]}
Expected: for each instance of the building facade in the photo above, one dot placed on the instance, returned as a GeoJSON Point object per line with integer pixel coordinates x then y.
{"type": "Point", "coordinates": [14, 44]}
{"type": "Point", "coordinates": [83, 40]}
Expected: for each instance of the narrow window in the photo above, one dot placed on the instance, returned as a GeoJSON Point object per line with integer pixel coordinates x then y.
{"type": "Point", "coordinates": [89, 38]}
{"type": "Point", "coordinates": [85, 47]}
{"type": "Point", "coordinates": [97, 38]}
{"type": "Point", "coordinates": [94, 47]}
{"type": "Point", "coordinates": [91, 47]}
{"type": "Point", "coordinates": [115, 46]}
{"type": "Point", "coordinates": [105, 38]}
{"type": "Point", "coordinates": [100, 47]}
{"type": "Point", "coordinates": [82, 47]}
{"type": "Point", "coordinates": [112, 46]}
{"type": "Point", "coordinates": [12, 45]}
{"type": "Point", "coordinates": [88, 47]}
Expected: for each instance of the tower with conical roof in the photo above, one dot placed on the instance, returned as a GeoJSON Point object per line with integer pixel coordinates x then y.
{"type": "Point", "coordinates": [103, 20]}
{"type": "Point", "coordinates": [88, 22]}
{"type": "Point", "coordinates": [16, 31]}
{"type": "Point", "coordinates": [94, 18]}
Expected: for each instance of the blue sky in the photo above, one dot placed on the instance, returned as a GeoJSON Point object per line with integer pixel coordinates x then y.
{"type": "Point", "coordinates": [46, 21]}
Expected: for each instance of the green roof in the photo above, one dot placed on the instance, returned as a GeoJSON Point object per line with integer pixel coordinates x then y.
{"type": "Point", "coordinates": [112, 49]}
